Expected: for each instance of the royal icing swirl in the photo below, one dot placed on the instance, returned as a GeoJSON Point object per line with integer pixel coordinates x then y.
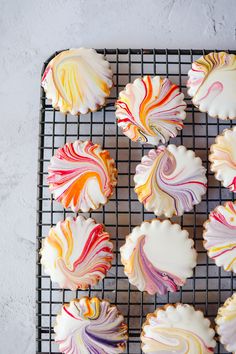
{"type": "Point", "coordinates": [82, 176]}
{"type": "Point", "coordinates": [212, 84]}
{"type": "Point", "coordinates": [77, 253]}
{"type": "Point", "coordinates": [90, 326]}
{"type": "Point", "coordinates": [77, 81]}
{"type": "Point", "coordinates": [220, 236]}
{"type": "Point", "coordinates": [177, 329]}
{"type": "Point", "coordinates": [226, 324]}
{"type": "Point", "coordinates": [158, 257]}
{"type": "Point", "coordinates": [223, 158]}
{"type": "Point", "coordinates": [170, 180]}
{"type": "Point", "coordinates": [150, 110]}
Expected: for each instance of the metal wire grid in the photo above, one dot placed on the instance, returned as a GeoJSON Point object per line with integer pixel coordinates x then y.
{"type": "Point", "coordinates": [210, 285]}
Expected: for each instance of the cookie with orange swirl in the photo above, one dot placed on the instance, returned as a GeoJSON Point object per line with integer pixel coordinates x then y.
{"type": "Point", "coordinates": [170, 180]}
{"type": "Point", "coordinates": [77, 81]}
{"type": "Point", "coordinates": [150, 110]}
{"type": "Point", "coordinates": [223, 158]}
{"type": "Point", "coordinates": [212, 84]}
{"type": "Point", "coordinates": [82, 176]}
{"type": "Point", "coordinates": [90, 326]}
{"type": "Point", "coordinates": [77, 253]}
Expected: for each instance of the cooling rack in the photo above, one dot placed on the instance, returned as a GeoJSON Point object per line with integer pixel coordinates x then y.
{"type": "Point", "coordinates": [210, 285]}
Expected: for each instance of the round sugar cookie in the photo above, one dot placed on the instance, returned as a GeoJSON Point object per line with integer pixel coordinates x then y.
{"type": "Point", "coordinates": [90, 325]}
{"type": "Point", "coordinates": [223, 158]}
{"type": "Point", "coordinates": [226, 324]}
{"type": "Point", "coordinates": [158, 257]}
{"type": "Point", "coordinates": [220, 236]}
{"type": "Point", "coordinates": [212, 84]}
{"type": "Point", "coordinates": [77, 253]}
{"type": "Point", "coordinates": [77, 81]}
{"type": "Point", "coordinates": [178, 329]}
{"type": "Point", "coordinates": [170, 180]}
{"type": "Point", "coordinates": [82, 176]}
{"type": "Point", "coordinates": [150, 110]}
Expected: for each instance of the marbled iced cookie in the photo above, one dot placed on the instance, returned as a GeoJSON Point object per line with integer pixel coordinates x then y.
{"type": "Point", "coordinates": [82, 176]}
{"type": "Point", "coordinates": [170, 180]}
{"type": "Point", "coordinates": [90, 325]}
{"type": "Point", "coordinates": [212, 84]}
{"type": "Point", "coordinates": [151, 110]}
{"type": "Point", "coordinates": [77, 81]}
{"type": "Point", "coordinates": [220, 236]}
{"type": "Point", "coordinates": [178, 329]}
{"type": "Point", "coordinates": [158, 257]}
{"type": "Point", "coordinates": [77, 253]}
{"type": "Point", "coordinates": [226, 324]}
{"type": "Point", "coordinates": [223, 158]}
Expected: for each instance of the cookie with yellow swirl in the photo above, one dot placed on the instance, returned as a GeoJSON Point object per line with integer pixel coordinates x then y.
{"type": "Point", "coordinates": [77, 81]}
{"type": "Point", "coordinates": [170, 180]}
{"type": "Point", "coordinates": [90, 325]}
{"type": "Point", "coordinates": [226, 324]}
{"type": "Point", "coordinates": [212, 84]}
{"type": "Point", "coordinates": [177, 329]}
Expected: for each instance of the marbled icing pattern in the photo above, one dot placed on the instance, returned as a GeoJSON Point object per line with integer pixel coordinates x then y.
{"type": "Point", "coordinates": [170, 180]}
{"type": "Point", "coordinates": [212, 84]}
{"type": "Point", "coordinates": [90, 326]}
{"type": "Point", "coordinates": [82, 176]}
{"type": "Point", "coordinates": [223, 158]}
{"type": "Point", "coordinates": [226, 324]}
{"type": "Point", "coordinates": [220, 236]}
{"type": "Point", "coordinates": [77, 253]}
{"type": "Point", "coordinates": [158, 257]}
{"type": "Point", "coordinates": [77, 81]}
{"type": "Point", "coordinates": [177, 329]}
{"type": "Point", "coordinates": [151, 110]}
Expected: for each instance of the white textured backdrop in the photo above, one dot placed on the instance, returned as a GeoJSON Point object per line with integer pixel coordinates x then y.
{"type": "Point", "coordinates": [29, 32]}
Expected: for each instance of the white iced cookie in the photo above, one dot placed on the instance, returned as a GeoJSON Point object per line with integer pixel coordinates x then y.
{"type": "Point", "coordinates": [212, 84]}
{"type": "Point", "coordinates": [90, 326]}
{"type": "Point", "coordinates": [158, 257]}
{"type": "Point", "coordinates": [223, 158]}
{"type": "Point", "coordinates": [226, 324]}
{"type": "Point", "coordinates": [178, 329]}
{"type": "Point", "coordinates": [77, 81]}
{"type": "Point", "coordinates": [150, 110]}
{"type": "Point", "coordinates": [170, 180]}
{"type": "Point", "coordinates": [77, 253]}
{"type": "Point", "coordinates": [220, 236]}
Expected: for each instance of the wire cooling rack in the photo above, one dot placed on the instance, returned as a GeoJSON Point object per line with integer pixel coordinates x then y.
{"type": "Point", "coordinates": [210, 285]}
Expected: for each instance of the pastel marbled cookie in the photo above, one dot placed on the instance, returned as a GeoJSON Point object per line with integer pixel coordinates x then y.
{"type": "Point", "coordinates": [82, 176]}
{"type": "Point", "coordinates": [77, 253]}
{"type": "Point", "coordinates": [77, 81]}
{"type": "Point", "coordinates": [226, 324]}
{"type": "Point", "coordinates": [158, 257]}
{"type": "Point", "coordinates": [178, 329]}
{"type": "Point", "coordinates": [220, 236]}
{"type": "Point", "coordinates": [90, 325]}
{"type": "Point", "coordinates": [150, 110]}
{"type": "Point", "coordinates": [223, 158]}
{"type": "Point", "coordinates": [170, 180]}
{"type": "Point", "coordinates": [212, 84]}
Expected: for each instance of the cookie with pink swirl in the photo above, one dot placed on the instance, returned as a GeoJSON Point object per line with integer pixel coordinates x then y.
{"type": "Point", "coordinates": [82, 176]}
{"type": "Point", "coordinates": [220, 236]}
{"type": "Point", "coordinates": [212, 84]}
{"type": "Point", "coordinates": [223, 158]}
{"type": "Point", "coordinates": [77, 253]}
{"type": "Point", "coordinates": [150, 110]}
{"type": "Point", "coordinates": [158, 257]}
{"type": "Point", "coordinates": [170, 180]}
{"type": "Point", "coordinates": [90, 325]}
